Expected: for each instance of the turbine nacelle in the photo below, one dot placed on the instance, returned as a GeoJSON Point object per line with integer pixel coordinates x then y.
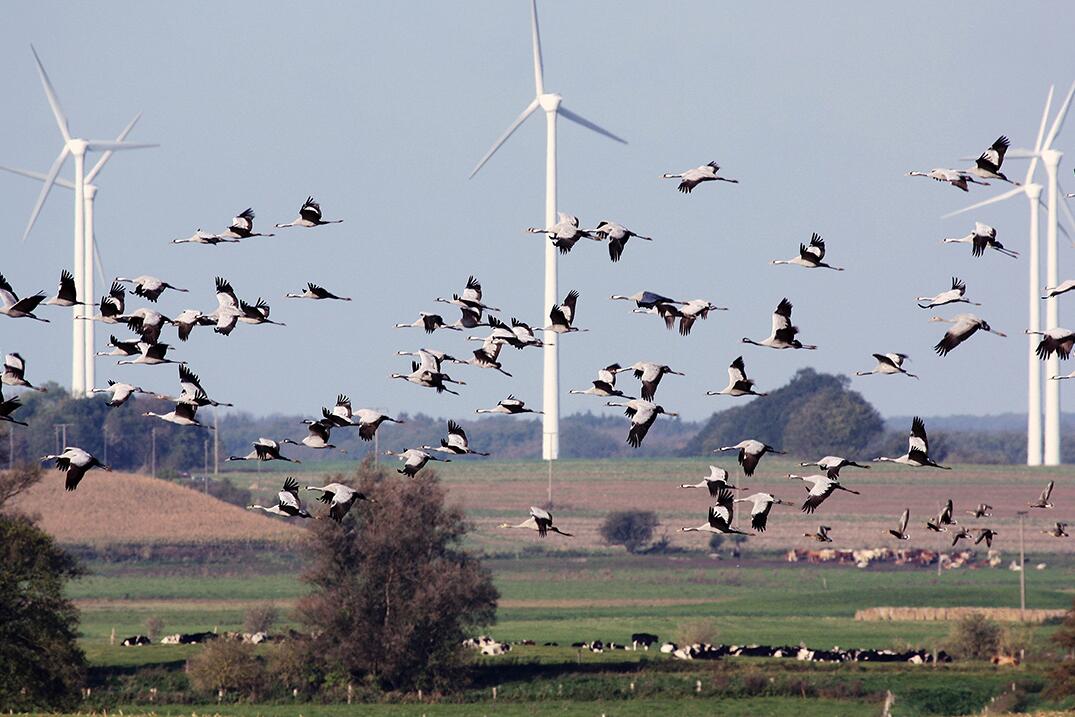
{"type": "Point", "coordinates": [550, 101]}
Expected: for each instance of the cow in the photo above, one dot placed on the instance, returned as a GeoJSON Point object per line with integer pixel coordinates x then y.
{"type": "Point", "coordinates": [643, 639]}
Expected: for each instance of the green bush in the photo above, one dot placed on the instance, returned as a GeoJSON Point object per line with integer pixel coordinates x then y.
{"type": "Point", "coordinates": [227, 666]}
{"type": "Point", "coordinates": [975, 637]}
{"type": "Point", "coordinates": [630, 528]}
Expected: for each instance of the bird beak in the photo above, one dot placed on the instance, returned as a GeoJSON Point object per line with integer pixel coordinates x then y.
{"type": "Point", "coordinates": [1000, 333]}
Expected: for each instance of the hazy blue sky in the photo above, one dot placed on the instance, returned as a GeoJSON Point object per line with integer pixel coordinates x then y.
{"type": "Point", "coordinates": [380, 110]}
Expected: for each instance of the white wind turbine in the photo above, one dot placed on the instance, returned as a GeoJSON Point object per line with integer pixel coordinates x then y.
{"type": "Point", "coordinates": [551, 103]}
{"type": "Point", "coordinates": [1051, 159]}
{"type": "Point", "coordinates": [91, 243]}
{"type": "Point", "coordinates": [82, 350]}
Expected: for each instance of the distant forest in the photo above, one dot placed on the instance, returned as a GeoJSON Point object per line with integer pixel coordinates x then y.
{"type": "Point", "coordinates": [814, 414]}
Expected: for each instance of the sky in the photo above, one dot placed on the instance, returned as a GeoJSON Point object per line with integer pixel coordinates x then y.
{"type": "Point", "coordinates": [381, 110]}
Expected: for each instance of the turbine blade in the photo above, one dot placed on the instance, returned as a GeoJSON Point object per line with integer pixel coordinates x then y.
{"type": "Point", "coordinates": [539, 66]}
{"type": "Point", "coordinates": [986, 202]}
{"type": "Point", "coordinates": [1063, 203]}
{"type": "Point", "coordinates": [1041, 133]}
{"type": "Point", "coordinates": [54, 101]}
{"type": "Point", "coordinates": [578, 119]}
{"type": "Point", "coordinates": [50, 178]}
{"type": "Point", "coordinates": [1059, 121]}
{"type": "Point", "coordinates": [507, 133]}
{"type": "Point", "coordinates": [108, 155]}
{"type": "Point", "coordinates": [39, 176]}
{"type": "Point", "coordinates": [107, 145]}
{"type": "Point", "coordinates": [100, 265]}
{"type": "Point", "coordinates": [1019, 153]}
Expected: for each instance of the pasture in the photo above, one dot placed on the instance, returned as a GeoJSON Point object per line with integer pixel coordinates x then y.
{"type": "Point", "coordinates": [564, 591]}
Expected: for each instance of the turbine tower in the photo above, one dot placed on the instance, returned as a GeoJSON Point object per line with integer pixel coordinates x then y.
{"type": "Point", "coordinates": [1051, 159]}
{"type": "Point", "coordinates": [81, 331]}
{"type": "Point", "coordinates": [551, 103]}
{"type": "Point", "coordinates": [91, 251]}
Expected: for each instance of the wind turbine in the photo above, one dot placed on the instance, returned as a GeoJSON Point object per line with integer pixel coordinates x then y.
{"type": "Point", "coordinates": [552, 104]}
{"type": "Point", "coordinates": [1051, 159]}
{"type": "Point", "coordinates": [81, 331]}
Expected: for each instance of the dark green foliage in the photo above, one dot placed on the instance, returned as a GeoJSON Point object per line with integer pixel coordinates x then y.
{"type": "Point", "coordinates": [91, 422]}
{"type": "Point", "coordinates": [227, 666]}
{"type": "Point", "coordinates": [813, 413]}
{"type": "Point", "coordinates": [394, 594]}
{"type": "Point", "coordinates": [630, 528]}
{"type": "Point", "coordinates": [41, 665]}
{"type": "Point", "coordinates": [975, 637]}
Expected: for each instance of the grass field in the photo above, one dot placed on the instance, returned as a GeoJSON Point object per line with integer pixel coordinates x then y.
{"type": "Point", "coordinates": [563, 591]}
{"type": "Point", "coordinates": [754, 707]}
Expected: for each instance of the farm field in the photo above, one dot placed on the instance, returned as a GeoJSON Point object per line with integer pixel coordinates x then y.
{"type": "Point", "coordinates": [550, 599]}
{"type": "Point", "coordinates": [753, 707]}
{"type": "Point", "coordinates": [584, 491]}
{"type": "Point", "coordinates": [565, 591]}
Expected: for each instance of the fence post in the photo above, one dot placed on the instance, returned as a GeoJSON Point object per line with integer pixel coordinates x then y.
{"type": "Point", "coordinates": [350, 692]}
{"type": "Point", "coordinates": [494, 693]}
{"type": "Point", "coordinates": [698, 686]}
{"type": "Point", "coordinates": [890, 699]}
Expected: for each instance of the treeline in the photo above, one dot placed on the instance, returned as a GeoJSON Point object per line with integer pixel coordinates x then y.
{"type": "Point", "coordinates": [127, 440]}
{"type": "Point", "coordinates": [814, 413]}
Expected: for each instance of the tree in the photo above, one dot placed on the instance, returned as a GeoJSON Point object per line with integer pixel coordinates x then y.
{"type": "Point", "coordinates": [227, 666]}
{"type": "Point", "coordinates": [1064, 637]}
{"type": "Point", "coordinates": [394, 594]}
{"type": "Point", "coordinates": [154, 627]}
{"type": "Point", "coordinates": [630, 528]}
{"type": "Point", "coordinates": [42, 666]}
{"type": "Point", "coordinates": [1061, 680]}
{"type": "Point", "coordinates": [812, 413]}
{"type": "Point", "coordinates": [975, 637]}
{"type": "Point", "coordinates": [261, 618]}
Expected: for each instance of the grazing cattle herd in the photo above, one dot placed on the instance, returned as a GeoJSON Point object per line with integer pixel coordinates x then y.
{"type": "Point", "coordinates": [487, 646]}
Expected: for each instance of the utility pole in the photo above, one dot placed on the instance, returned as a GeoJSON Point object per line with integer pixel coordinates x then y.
{"type": "Point", "coordinates": [205, 466]}
{"type": "Point", "coordinates": [153, 452]}
{"type": "Point", "coordinates": [10, 446]}
{"type": "Point", "coordinates": [60, 429]}
{"type": "Point", "coordinates": [1022, 570]}
{"type": "Point", "coordinates": [216, 441]}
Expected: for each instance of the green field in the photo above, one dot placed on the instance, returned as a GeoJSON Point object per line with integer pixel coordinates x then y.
{"type": "Point", "coordinates": [560, 591]}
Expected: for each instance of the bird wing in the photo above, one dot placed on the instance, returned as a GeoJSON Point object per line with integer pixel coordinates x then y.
{"type": "Point", "coordinates": [430, 322]}
{"type": "Point", "coordinates": [782, 318]}
{"type": "Point", "coordinates": [457, 437]}
{"type": "Point", "coordinates": [7, 294]}
{"type": "Point", "coordinates": [568, 307]}
{"type": "Point", "coordinates": [759, 515]}
{"type": "Point", "coordinates": [311, 210]}
{"type": "Point", "coordinates": [918, 441]}
{"type": "Point", "coordinates": [188, 380]}
{"type": "Point", "coordinates": [993, 157]}
{"type": "Point", "coordinates": [28, 303]}
{"type": "Point", "coordinates": [1047, 492]}
{"type": "Point", "coordinates": [184, 409]}
{"type": "Point", "coordinates": [14, 364]}
{"type": "Point", "coordinates": [737, 371]}
{"type": "Point", "coordinates": [225, 296]}
{"type": "Point", "coordinates": [904, 518]}
{"type": "Point", "coordinates": [473, 292]}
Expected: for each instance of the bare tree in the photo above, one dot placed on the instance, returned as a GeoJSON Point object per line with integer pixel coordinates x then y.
{"type": "Point", "coordinates": [394, 594]}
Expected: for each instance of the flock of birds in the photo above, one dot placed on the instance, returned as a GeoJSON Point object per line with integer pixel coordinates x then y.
{"type": "Point", "coordinates": [428, 366]}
